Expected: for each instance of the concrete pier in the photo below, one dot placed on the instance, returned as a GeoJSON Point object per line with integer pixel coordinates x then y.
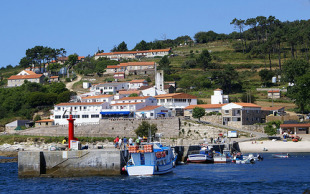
{"type": "Point", "coordinates": [70, 163]}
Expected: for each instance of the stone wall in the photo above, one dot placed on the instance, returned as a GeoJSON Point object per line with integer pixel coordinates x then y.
{"type": "Point", "coordinates": [109, 128]}
{"type": "Point", "coordinates": [70, 163]}
{"type": "Point", "coordinates": [212, 119]}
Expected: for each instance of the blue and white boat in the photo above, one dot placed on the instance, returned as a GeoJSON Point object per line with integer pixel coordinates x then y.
{"type": "Point", "coordinates": [150, 159]}
{"type": "Point", "coordinates": [205, 155]}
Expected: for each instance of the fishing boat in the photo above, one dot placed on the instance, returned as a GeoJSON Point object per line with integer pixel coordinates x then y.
{"type": "Point", "coordinates": [205, 155]}
{"type": "Point", "coordinates": [150, 159]}
{"type": "Point", "coordinates": [282, 155]}
{"type": "Point", "coordinates": [221, 157]}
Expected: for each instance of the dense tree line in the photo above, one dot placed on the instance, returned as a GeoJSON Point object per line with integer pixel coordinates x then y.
{"type": "Point", "coordinates": [23, 101]}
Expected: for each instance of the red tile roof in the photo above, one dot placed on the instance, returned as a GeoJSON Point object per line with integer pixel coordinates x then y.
{"type": "Point", "coordinates": [95, 97]}
{"type": "Point", "coordinates": [125, 103]}
{"type": "Point", "coordinates": [176, 95]}
{"type": "Point", "coordinates": [218, 89]}
{"type": "Point", "coordinates": [205, 106]}
{"type": "Point", "coordinates": [25, 76]}
{"type": "Point", "coordinates": [247, 104]}
{"type": "Point", "coordinates": [30, 72]}
{"type": "Point", "coordinates": [53, 77]}
{"type": "Point", "coordinates": [45, 120]}
{"type": "Point", "coordinates": [130, 92]}
{"type": "Point", "coordinates": [133, 98]}
{"type": "Point", "coordinates": [79, 103]}
{"type": "Point", "coordinates": [148, 108]}
{"type": "Point", "coordinates": [295, 125]}
{"type": "Point", "coordinates": [140, 63]}
{"type": "Point", "coordinates": [138, 81]}
{"type": "Point", "coordinates": [273, 91]}
{"type": "Point", "coordinates": [145, 87]}
{"type": "Point", "coordinates": [113, 66]}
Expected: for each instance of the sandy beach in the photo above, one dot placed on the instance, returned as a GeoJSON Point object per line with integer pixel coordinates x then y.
{"type": "Point", "coordinates": [274, 146]}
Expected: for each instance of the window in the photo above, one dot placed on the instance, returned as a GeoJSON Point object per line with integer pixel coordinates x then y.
{"type": "Point", "coordinates": [162, 100]}
{"type": "Point", "coordinates": [85, 116]}
{"type": "Point", "coordinates": [152, 114]}
{"type": "Point", "coordinates": [226, 111]}
{"type": "Point", "coordinates": [75, 108]}
{"type": "Point", "coordinates": [58, 108]}
{"type": "Point", "coordinates": [65, 116]}
{"type": "Point", "coordinates": [85, 107]}
{"type": "Point", "coordinates": [57, 116]}
{"type": "Point", "coordinates": [76, 116]}
{"type": "Point", "coordinates": [94, 116]}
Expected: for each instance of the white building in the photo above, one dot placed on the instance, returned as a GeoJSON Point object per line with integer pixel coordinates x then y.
{"type": "Point", "coordinates": [219, 98]}
{"type": "Point", "coordinates": [109, 87]}
{"type": "Point", "coordinates": [153, 112]}
{"type": "Point", "coordinates": [127, 106]}
{"type": "Point", "coordinates": [151, 91]}
{"type": "Point", "coordinates": [176, 100]}
{"type": "Point", "coordinates": [136, 84]}
{"type": "Point", "coordinates": [82, 112]}
{"type": "Point", "coordinates": [99, 98]}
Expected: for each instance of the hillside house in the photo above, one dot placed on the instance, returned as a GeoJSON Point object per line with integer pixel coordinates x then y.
{"type": "Point", "coordinates": [176, 101]}
{"type": "Point", "coordinates": [136, 84]}
{"type": "Point", "coordinates": [109, 87]}
{"type": "Point", "coordinates": [238, 114]}
{"type": "Point", "coordinates": [18, 80]}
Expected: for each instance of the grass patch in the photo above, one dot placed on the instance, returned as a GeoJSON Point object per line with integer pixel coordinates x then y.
{"type": "Point", "coordinates": [10, 139]}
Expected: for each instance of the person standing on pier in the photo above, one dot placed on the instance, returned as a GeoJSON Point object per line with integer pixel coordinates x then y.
{"type": "Point", "coordinates": [116, 140]}
{"type": "Point", "coordinates": [130, 141]}
{"type": "Point", "coordinates": [125, 142]}
{"type": "Point", "coordinates": [120, 143]}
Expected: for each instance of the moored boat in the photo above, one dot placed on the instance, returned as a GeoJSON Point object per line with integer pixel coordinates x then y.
{"type": "Point", "coordinates": [282, 155]}
{"type": "Point", "coordinates": [150, 159]}
{"type": "Point", "coordinates": [205, 155]}
{"type": "Point", "coordinates": [221, 158]}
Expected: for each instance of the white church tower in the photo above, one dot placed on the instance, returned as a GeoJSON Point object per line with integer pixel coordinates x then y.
{"type": "Point", "coordinates": [219, 98]}
{"type": "Point", "coordinates": [159, 80]}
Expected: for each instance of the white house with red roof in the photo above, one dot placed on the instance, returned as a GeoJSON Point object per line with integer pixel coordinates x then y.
{"type": "Point", "coordinates": [153, 112]}
{"type": "Point", "coordinates": [176, 100]}
{"type": "Point", "coordinates": [126, 93]}
{"type": "Point", "coordinates": [109, 87]}
{"type": "Point", "coordinates": [137, 83]}
{"type": "Point", "coordinates": [127, 106]}
{"type": "Point", "coordinates": [99, 98]}
{"type": "Point", "coordinates": [18, 80]}
{"type": "Point", "coordinates": [82, 112]}
{"type": "Point", "coordinates": [238, 114]}
{"type": "Point", "coordinates": [26, 72]}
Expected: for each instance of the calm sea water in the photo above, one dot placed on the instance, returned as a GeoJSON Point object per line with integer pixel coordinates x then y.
{"type": "Point", "coordinates": [273, 175]}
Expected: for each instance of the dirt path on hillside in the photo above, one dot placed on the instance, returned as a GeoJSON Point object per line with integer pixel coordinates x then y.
{"type": "Point", "coordinates": [69, 85]}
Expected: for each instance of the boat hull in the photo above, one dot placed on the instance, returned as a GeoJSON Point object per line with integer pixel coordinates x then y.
{"type": "Point", "coordinates": [221, 159]}
{"type": "Point", "coordinates": [199, 158]}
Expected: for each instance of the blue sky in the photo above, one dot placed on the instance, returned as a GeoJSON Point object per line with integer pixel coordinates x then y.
{"type": "Point", "coordinates": [81, 26]}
